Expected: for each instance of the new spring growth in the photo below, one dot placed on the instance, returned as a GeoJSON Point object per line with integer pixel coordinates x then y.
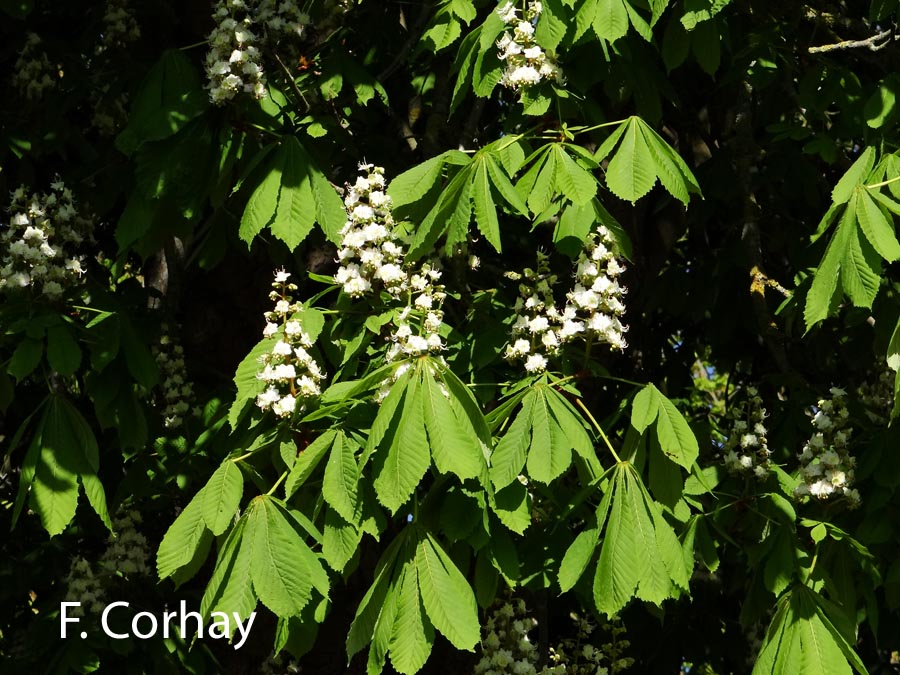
{"type": "Point", "coordinates": [291, 374]}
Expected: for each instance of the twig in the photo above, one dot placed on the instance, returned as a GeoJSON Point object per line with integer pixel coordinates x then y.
{"type": "Point", "coordinates": [871, 43]}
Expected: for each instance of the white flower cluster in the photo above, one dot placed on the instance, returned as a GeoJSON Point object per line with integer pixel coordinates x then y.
{"type": "Point", "coordinates": [826, 465]}
{"type": "Point", "coordinates": [289, 371]}
{"type": "Point", "coordinates": [878, 397]}
{"type": "Point", "coordinates": [177, 391]}
{"type": "Point", "coordinates": [126, 555]}
{"type": "Point", "coordinates": [593, 309]}
{"type": "Point", "coordinates": [34, 74]}
{"type": "Point", "coordinates": [540, 328]}
{"type": "Point", "coordinates": [597, 296]}
{"type": "Point", "coordinates": [747, 448]}
{"type": "Point", "coordinates": [526, 62]}
{"type": "Point", "coordinates": [120, 28]}
{"type": "Point", "coordinates": [418, 324]}
{"type": "Point", "coordinates": [372, 257]}
{"type": "Point", "coordinates": [83, 586]}
{"type": "Point", "coordinates": [127, 552]}
{"type": "Point", "coordinates": [369, 252]}
{"type": "Point", "coordinates": [39, 246]}
{"type": "Point", "coordinates": [505, 645]}
{"type": "Point", "coordinates": [243, 28]}
{"type": "Point", "coordinates": [506, 648]}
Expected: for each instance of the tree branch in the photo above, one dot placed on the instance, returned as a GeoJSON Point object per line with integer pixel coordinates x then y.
{"type": "Point", "coordinates": [874, 43]}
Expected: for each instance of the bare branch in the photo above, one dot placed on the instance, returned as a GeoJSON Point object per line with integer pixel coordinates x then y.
{"type": "Point", "coordinates": [874, 43]}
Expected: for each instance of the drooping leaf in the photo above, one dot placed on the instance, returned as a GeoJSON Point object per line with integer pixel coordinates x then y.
{"type": "Point", "coordinates": [446, 595]}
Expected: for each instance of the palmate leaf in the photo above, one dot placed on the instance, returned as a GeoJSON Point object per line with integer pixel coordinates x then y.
{"type": "Point", "coordinates": [639, 157]}
{"type": "Point", "coordinates": [802, 640]}
{"type": "Point", "coordinates": [640, 555]}
{"type": "Point", "coordinates": [676, 439]}
{"type": "Point", "coordinates": [372, 605]}
{"type": "Point", "coordinates": [864, 235]}
{"type": "Point", "coordinates": [282, 567]}
{"type": "Point", "coordinates": [63, 454]}
{"type": "Point", "coordinates": [292, 197]}
{"type": "Point", "coordinates": [477, 185]}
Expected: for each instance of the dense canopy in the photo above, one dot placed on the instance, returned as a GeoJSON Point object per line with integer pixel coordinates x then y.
{"type": "Point", "coordinates": [450, 336]}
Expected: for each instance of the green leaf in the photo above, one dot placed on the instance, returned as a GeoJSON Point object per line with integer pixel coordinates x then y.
{"type": "Point", "coordinates": [413, 634]}
{"type": "Point", "coordinates": [550, 454]}
{"type": "Point", "coordinates": [454, 447]}
{"type": "Point", "coordinates": [854, 176]}
{"type": "Point", "coordinates": [675, 436]}
{"type": "Point", "coordinates": [340, 540]}
{"type": "Point", "coordinates": [340, 485]}
{"type": "Point", "coordinates": [169, 97]}
{"type": "Point", "coordinates": [504, 186]}
{"type": "Point", "coordinates": [54, 489]}
{"type": "Point", "coordinates": [630, 173]}
{"type": "Point", "coordinates": [824, 285]}
{"type": "Point", "coordinates": [63, 351]}
{"type": "Point", "coordinates": [307, 461]}
{"type": "Point", "coordinates": [881, 105]}
{"type": "Point", "coordinates": [330, 213]}
{"type": "Point", "coordinates": [877, 228]}
{"type": "Point", "coordinates": [446, 595]}
{"type": "Point", "coordinates": [512, 505]}
{"type": "Point", "coordinates": [577, 183]}
{"type": "Point", "coordinates": [611, 21]}
{"type": "Point", "coordinates": [182, 538]}
{"type": "Point", "coordinates": [893, 350]}
{"type": "Point", "coordinates": [552, 25]}
{"type": "Point", "coordinates": [371, 607]}
{"type": "Point", "coordinates": [644, 408]}
{"type": "Point", "coordinates": [248, 385]}
{"type": "Point", "coordinates": [229, 589]}
{"type": "Point", "coordinates": [860, 271]}
{"type": "Point", "coordinates": [443, 33]}
{"type": "Point", "coordinates": [802, 640]}
{"type": "Point", "coordinates": [25, 358]}
{"type": "Point", "coordinates": [485, 210]}
{"type": "Point", "coordinates": [576, 559]}
{"type": "Point", "coordinates": [413, 184]}
{"type": "Point", "coordinates": [93, 490]}
{"type": "Point", "coordinates": [281, 576]}
{"type": "Point", "coordinates": [640, 556]}
{"type": "Point", "coordinates": [400, 467]}
{"type": "Point", "coordinates": [222, 497]}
